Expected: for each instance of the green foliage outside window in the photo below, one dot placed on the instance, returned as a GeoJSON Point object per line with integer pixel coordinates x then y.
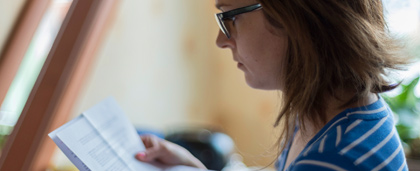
{"type": "Point", "coordinates": [406, 107]}
{"type": "Point", "coordinates": [4, 133]}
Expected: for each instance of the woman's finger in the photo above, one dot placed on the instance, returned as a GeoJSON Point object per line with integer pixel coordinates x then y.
{"type": "Point", "coordinates": [149, 155]}
{"type": "Point", "coordinates": [153, 149]}
{"type": "Point", "coordinates": [148, 140]}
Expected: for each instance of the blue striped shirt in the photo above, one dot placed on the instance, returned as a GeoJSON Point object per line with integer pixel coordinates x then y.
{"type": "Point", "coordinates": [362, 138]}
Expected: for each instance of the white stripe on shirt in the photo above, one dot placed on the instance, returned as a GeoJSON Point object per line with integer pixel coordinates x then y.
{"type": "Point", "coordinates": [307, 150]}
{"type": "Point", "coordinates": [368, 111]}
{"type": "Point", "coordinates": [352, 125]}
{"type": "Point", "coordinates": [364, 136]}
{"type": "Point", "coordinates": [402, 166]}
{"type": "Point", "coordinates": [322, 144]}
{"type": "Point", "coordinates": [322, 164]}
{"type": "Point", "coordinates": [374, 149]}
{"type": "Point", "coordinates": [389, 159]}
{"type": "Point", "coordinates": [338, 139]}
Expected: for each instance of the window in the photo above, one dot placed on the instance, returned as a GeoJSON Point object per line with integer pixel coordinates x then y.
{"type": "Point", "coordinates": [30, 67]}
{"type": "Point", "coordinates": [46, 107]}
{"type": "Point", "coordinates": [403, 17]}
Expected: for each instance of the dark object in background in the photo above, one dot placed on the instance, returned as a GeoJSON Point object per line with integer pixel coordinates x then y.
{"type": "Point", "coordinates": [415, 149]}
{"type": "Point", "coordinates": [213, 149]}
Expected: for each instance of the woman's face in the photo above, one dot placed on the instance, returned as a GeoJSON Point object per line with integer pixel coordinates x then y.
{"type": "Point", "coordinates": [258, 48]}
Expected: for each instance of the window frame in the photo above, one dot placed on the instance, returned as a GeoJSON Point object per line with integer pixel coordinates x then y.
{"type": "Point", "coordinates": [19, 38]}
{"type": "Point", "coordinates": [57, 87]}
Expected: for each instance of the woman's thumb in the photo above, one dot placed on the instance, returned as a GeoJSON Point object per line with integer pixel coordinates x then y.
{"type": "Point", "coordinates": [148, 155]}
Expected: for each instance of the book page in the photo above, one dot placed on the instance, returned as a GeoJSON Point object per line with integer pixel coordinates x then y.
{"type": "Point", "coordinates": [70, 155]}
{"type": "Point", "coordinates": [90, 147]}
{"type": "Point", "coordinates": [102, 138]}
{"type": "Point", "coordinates": [118, 132]}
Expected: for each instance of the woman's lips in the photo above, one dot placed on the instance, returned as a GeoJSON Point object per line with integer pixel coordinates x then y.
{"type": "Point", "coordinates": [240, 65]}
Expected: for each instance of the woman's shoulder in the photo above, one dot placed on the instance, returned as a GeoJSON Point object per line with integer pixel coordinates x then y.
{"type": "Point", "coordinates": [360, 139]}
{"type": "Point", "coordinates": [383, 153]}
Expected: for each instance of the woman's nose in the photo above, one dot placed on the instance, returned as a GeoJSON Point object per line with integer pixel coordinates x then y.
{"type": "Point", "coordinates": [223, 42]}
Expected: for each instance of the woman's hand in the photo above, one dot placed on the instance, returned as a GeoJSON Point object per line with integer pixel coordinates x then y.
{"type": "Point", "coordinates": [166, 153]}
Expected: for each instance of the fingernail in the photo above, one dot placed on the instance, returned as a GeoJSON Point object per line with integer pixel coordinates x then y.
{"type": "Point", "coordinates": [141, 155]}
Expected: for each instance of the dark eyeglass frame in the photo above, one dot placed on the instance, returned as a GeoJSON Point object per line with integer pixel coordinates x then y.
{"type": "Point", "coordinates": [230, 15]}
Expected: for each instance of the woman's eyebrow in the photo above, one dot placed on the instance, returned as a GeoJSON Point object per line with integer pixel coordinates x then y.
{"type": "Point", "coordinates": [220, 5]}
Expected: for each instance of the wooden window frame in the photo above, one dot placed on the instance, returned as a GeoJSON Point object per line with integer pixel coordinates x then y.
{"type": "Point", "coordinates": [57, 87]}
{"type": "Point", "coordinates": [20, 38]}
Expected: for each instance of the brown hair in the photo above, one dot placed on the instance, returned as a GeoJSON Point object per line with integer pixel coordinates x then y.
{"type": "Point", "coordinates": [332, 44]}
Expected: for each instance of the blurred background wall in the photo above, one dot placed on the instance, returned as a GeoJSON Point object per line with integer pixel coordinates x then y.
{"type": "Point", "coordinates": [159, 60]}
{"type": "Point", "coordinates": [161, 63]}
{"type": "Point", "coordinates": [9, 11]}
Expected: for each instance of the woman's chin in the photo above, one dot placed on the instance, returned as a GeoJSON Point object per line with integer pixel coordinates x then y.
{"type": "Point", "coordinates": [261, 85]}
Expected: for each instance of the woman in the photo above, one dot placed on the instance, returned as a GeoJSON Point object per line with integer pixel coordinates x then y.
{"type": "Point", "coordinates": [330, 59]}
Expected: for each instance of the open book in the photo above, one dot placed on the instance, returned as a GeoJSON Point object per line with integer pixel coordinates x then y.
{"type": "Point", "coordinates": [102, 138]}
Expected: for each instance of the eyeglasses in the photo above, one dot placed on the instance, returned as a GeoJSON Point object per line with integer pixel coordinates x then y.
{"type": "Point", "coordinates": [230, 15]}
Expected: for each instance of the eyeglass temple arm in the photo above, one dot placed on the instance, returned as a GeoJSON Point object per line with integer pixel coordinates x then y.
{"type": "Point", "coordinates": [232, 13]}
